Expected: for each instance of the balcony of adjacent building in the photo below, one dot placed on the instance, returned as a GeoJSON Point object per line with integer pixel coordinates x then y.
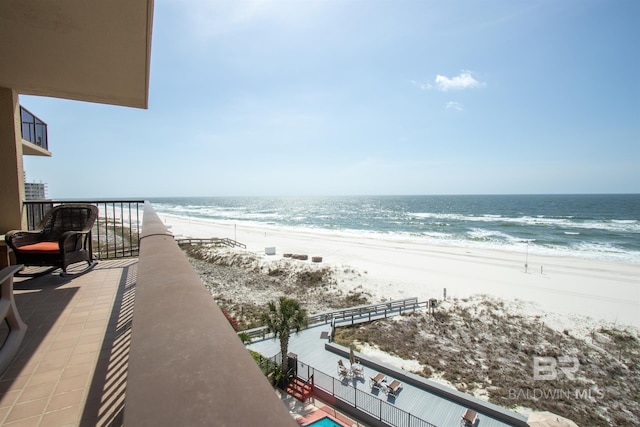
{"type": "Point", "coordinates": [35, 139]}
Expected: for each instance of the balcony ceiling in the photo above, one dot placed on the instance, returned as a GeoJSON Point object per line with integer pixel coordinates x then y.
{"type": "Point", "coordinates": [87, 50]}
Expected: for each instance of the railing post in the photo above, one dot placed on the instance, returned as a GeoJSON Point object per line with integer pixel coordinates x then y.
{"type": "Point", "coordinates": [355, 397]}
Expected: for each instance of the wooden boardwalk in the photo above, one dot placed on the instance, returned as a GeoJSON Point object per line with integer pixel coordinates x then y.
{"type": "Point", "coordinates": [351, 316]}
{"type": "Point", "coordinates": [210, 241]}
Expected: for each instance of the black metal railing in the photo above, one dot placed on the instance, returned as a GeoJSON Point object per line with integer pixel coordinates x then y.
{"type": "Point", "coordinates": [34, 130]}
{"type": "Point", "coordinates": [268, 364]}
{"type": "Point", "coordinates": [116, 232]}
{"type": "Point", "coordinates": [360, 400]}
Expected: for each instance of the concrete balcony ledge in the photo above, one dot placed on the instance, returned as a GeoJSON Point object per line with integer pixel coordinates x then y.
{"type": "Point", "coordinates": [186, 364]}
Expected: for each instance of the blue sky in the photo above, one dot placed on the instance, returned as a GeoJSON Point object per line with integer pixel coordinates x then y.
{"type": "Point", "coordinates": [365, 97]}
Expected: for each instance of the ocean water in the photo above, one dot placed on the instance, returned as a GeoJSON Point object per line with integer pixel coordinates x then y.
{"type": "Point", "coordinates": [605, 227]}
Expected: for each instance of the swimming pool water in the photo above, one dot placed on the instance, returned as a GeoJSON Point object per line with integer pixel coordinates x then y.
{"type": "Point", "coordinates": [324, 422]}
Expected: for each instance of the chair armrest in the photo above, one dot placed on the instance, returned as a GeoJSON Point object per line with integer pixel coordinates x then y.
{"type": "Point", "coordinates": [18, 238]}
{"type": "Point", "coordinates": [71, 241]}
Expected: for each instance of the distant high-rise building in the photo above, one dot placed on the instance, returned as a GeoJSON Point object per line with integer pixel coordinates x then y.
{"type": "Point", "coordinates": [35, 191]}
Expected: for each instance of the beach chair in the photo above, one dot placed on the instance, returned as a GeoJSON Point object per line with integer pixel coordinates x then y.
{"type": "Point", "coordinates": [63, 238]}
{"type": "Point", "coordinates": [377, 381]}
{"type": "Point", "coordinates": [342, 370]}
{"type": "Point", "coordinates": [357, 370]}
{"type": "Point", "coordinates": [469, 418]}
{"type": "Point", "coordinates": [393, 388]}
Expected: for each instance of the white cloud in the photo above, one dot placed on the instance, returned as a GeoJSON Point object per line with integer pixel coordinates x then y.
{"type": "Point", "coordinates": [452, 105]}
{"type": "Point", "coordinates": [464, 80]}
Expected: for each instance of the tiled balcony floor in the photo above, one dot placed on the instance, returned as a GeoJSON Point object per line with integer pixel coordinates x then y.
{"type": "Point", "coordinates": [72, 366]}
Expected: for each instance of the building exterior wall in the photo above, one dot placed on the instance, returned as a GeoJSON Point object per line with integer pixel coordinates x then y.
{"type": "Point", "coordinates": [11, 166]}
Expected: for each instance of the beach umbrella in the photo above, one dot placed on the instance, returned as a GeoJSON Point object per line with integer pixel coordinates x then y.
{"type": "Point", "coordinates": [549, 419]}
{"type": "Point", "coordinates": [352, 358]}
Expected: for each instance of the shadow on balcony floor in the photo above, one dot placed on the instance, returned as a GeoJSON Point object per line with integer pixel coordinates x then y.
{"type": "Point", "coordinates": [72, 367]}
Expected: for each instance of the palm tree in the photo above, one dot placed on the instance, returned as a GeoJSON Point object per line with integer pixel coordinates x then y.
{"type": "Point", "coordinates": [281, 319]}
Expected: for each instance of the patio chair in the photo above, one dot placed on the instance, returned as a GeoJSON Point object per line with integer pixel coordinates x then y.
{"type": "Point", "coordinates": [342, 370]}
{"type": "Point", "coordinates": [393, 388]}
{"type": "Point", "coordinates": [377, 381]}
{"type": "Point", "coordinates": [63, 238]}
{"type": "Point", "coordinates": [357, 370]}
{"type": "Point", "coordinates": [469, 418]}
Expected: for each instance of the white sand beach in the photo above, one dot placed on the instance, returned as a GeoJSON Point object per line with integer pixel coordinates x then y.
{"type": "Point", "coordinates": [567, 292]}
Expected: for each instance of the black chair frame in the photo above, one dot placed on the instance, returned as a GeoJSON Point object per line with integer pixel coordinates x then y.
{"type": "Point", "coordinates": [69, 225]}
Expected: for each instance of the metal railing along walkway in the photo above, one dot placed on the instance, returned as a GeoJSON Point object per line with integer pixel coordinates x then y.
{"type": "Point", "coordinates": [361, 401]}
{"type": "Point", "coordinates": [351, 316]}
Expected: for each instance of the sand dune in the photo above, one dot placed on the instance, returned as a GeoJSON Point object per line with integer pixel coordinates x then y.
{"type": "Point", "coordinates": [567, 290]}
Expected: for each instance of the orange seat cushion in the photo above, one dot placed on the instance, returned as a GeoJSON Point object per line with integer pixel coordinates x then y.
{"type": "Point", "coordinates": [41, 248]}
